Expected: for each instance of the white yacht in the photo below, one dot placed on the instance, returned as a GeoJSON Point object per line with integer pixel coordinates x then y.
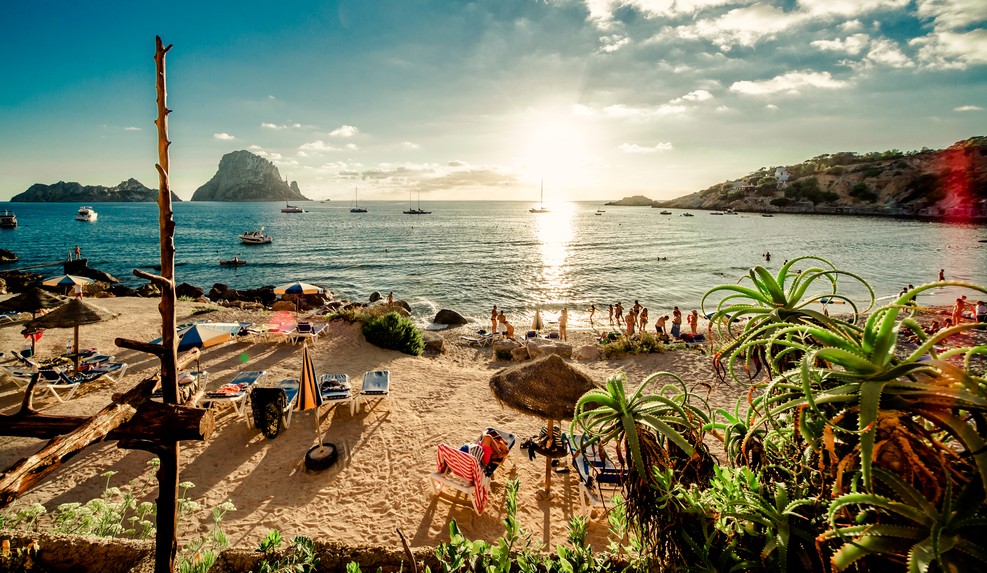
{"type": "Point", "coordinates": [87, 214]}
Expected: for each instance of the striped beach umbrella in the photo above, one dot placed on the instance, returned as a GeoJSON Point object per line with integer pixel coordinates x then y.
{"type": "Point", "coordinates": [309, 397]}
{"type": "Point", "coordinates": [201, 336]}
{"type": "Point", "coordinates": [298, 288]}
{"type": "Point", "coordinates": [68, 281]}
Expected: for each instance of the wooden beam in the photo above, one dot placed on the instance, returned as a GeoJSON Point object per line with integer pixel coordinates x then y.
{"type": "Point", "coordinates": [154, 421]}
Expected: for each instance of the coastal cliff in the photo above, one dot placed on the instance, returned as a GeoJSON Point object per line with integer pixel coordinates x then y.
{"type": "Point", "coordinates": [243, 176]}
{"type": "Point", "coordinates": [949, 183]}
{"type": "Point", "coordinates": [129, 191]}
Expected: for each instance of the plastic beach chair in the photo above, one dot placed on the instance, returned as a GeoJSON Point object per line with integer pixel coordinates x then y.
{"type": "Point", "coordinates": [272, 407]}
{"type": "Point", "coordinates": [599, 479]}
{"type": "Point", "coordinates": [306, 331]}
{"type": "Point", "coordinates": [376, 385]}
{"type": "Point", "coordinates": [335, 389]}
{"type": "Point", "coordinates": [459, 472]}
{"type": "Point", "coordinates": [55, 380]}
{"type": "Point", "coordinates": [235, 394]}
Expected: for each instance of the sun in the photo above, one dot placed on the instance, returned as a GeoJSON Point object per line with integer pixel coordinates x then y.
{"type": "Point", "coordinates": [557, 150]}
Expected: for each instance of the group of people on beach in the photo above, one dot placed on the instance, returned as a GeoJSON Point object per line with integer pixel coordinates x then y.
{"type": "Point", "coordinates": [637, 319]}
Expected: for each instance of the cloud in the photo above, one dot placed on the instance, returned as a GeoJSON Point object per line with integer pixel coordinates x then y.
{"type": "Point", "coordinates": [853, 45]}
{"type": "Point", "coordinates": [267, 125]}
{"type": "Point", "coordinates": [697, 95]}
{"type": "Point", "coordinates": [410, 145]}
{"type": "Point", "coordinates": [621, 111]}
{"type": "Point", "coordinates": [133, 128]}
{"type": "Point", "coordinates": [850, 8]}
{"type": "Point", "coordinates": [612, 43]}
{"type": "Point", "coordinates": [270, 97]}
{"type": "Point", "coordinates": [640, 149]}
{"type": "Point", "coordinates": [344, 131]}
{"type": "Point", "coordinates": [318, 145]}
{"type": "Point", "coordinates": [223, 136]}
{"type": "Point", "coordinates": [886, 53]}
{"type": "Point", "coordinates": [952, 14]}
{"type": "Point", "coordinates": [790, 83]}
{"type": "Point", "coordinates": [964, 108]}
{"type": "Point", "coordinates": [270, 155]}
{"type": "Point", "coordinates": [745, 26]}
{"type": "Point", "coordinates": [953, 50]}
{"type": "Point", "coordinates": [771, 107]}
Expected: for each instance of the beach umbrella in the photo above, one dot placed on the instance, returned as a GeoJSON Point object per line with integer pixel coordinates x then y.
{"type": "Point", "coordinates": [73, 314]}
{"type": "Point", "coordinates": [298, 289]}
{"type": "Point", "coordinates": [537, 323]}
{"type": "Point", "coordinates": [547, 388]}
{"type": "Point", "coordinates": [68, 281]}
{"type": "Point", "coordinates": [309, 398]}
{"type": "Point", "coordinates": [201, 336]}
{"type": "Point", "coordinates": [32, 301]}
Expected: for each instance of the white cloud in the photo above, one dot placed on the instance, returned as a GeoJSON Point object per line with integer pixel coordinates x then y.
{"type": "Point", "coordinates": [132, 128]}
{"type": "Point", "coordinates": [267, 125]}
{"type": "Point", "coordinates": [852, 45]}
{"type": "Point", "coordinates": [953, 50]}
{"type": "Point", "coordinates": [344, 131]}
{"type": "Point", "coordinates": [963, 108]}
{"type": "Point", "coordinates": [771, 107]}
{"type": "Point", "coordinates": [640, 149]}
{"type": "Point", "coordinates": [270, 97]}
{"type": "Point", "coordinates": [410, 145]}
{"type": "Point", "coordinates": [745, 26]}
{"type": "Point", "coordinates": [849, 8]}
{"type": "Point", "coordinates": [886, 53]}
{"type": "Point", "coordinates": [788, 83]}
{"type": "Point", "coordinates": [270, 155]}
{"type": "Point", "coordinates": [696, 95]}
{"type": "Point", "coordinates": [612, 43]}
{"type": "Point", "coordinates": [223, 136]}
{"type": "Point", "coordinates": [952, 14]}
{"type": "Point", "coordinates": [318, 145]}
{"type": "Point", "coordinates": [621, 111]}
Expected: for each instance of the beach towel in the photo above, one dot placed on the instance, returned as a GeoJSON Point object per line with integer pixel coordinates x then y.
{"type": "Point", "coordinates": [466, 468]}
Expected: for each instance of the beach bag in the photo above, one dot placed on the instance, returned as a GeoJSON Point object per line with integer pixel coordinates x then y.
{"type": "Point", "coordinates": [267, 405]}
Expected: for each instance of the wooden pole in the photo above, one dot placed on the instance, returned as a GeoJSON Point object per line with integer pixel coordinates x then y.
{"type": "Point", "coordinates": [166, 540]}
{"type": "Point", "coordinates": [548, 459]}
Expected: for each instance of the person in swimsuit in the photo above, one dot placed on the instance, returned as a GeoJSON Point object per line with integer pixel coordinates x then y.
{"type": "Point", "coordinates": [493, 319]}
{"type": "Point", "coordinates": [563, 322]}
{"type": "Point", "coordinates": [676, 322]}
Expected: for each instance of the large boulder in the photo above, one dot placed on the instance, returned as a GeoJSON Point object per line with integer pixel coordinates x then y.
{"type": "Point", "coordinates": [449, 317]}
{"type": "Point", "coordinates": [188, 291]}
{"type": "Point", "coordinates": [434, 343]}
{"type": "Point", "coordinates": [588, 353]}
{"type": "Point", "coordinates": [375, 296]}
{"type": "Point", "coordinates": [122, 290]}
{"type": "Point", "coordinates": [7, 256]}
{"type": "Point", "coordinates": [543, 346]}
{"type": "Point", "coordinates": [217, 291]}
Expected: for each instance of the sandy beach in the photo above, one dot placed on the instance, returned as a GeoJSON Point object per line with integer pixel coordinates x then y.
{"type": "Point", "coordinates": [380, 484]}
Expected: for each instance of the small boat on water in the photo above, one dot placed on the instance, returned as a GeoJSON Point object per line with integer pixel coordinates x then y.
{"type": "Point", "coordinates": [716, 212]}
{"type": "Point", "coordinates": [767, 215]}
{"type": "Point", "coordinates": [541, 202]}
{"type": "Point", "coordinates": [7, 219]}
{"type": "Point", "coordinates": [356, 204]}
{"type": "Point", "coordinates": [729, 212]}
{"type": "Point", "coordinates": [688, 215]}
{"type": "Point", "coordinates": [665, 213]}
{"type": "Point", "coordinates": [601, 210]}
{"type": "Point", "coordinates": [292, 209]}
{"type": "Point", "coordinates": [234, 262]}
{"type": "Point", "coordinates": [255, 238]}
{"type": "Point", "coordinates": [87, 214]}
{"type": "Point", "coordinates": [417, 210]}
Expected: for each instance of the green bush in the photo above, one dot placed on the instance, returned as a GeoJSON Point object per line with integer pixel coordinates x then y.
{"type": "Point", "coordinates": [394, 332]}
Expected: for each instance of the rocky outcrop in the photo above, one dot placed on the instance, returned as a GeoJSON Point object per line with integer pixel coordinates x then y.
{"type": "Point", "coordinates": [243, 176]}
{"type": "Point", "coordinates": [7, 256]}
{"type": "Point", "coordinates": [129, 191]}
{"type": "Point", "coordinates": [946, 183]}
{"type": "Point", "coordinates": [635, 201]}
{"type": "Point", "coordinates": [449, 317]}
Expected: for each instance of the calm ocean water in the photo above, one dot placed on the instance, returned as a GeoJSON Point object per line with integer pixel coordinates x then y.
{"type": "Point", "coordinates": [468, 256]}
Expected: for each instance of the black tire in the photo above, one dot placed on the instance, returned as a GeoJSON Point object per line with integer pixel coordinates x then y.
{"type": "Point", "coordinates": [316, 460]}
{"type": "Point", "coordinates": [271, 421]}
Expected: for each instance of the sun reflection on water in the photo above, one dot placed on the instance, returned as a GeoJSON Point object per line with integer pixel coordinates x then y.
{"type": "Point", "coordinates": [554, 232]}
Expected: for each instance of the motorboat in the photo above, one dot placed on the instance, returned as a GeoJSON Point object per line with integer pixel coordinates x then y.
{"type": "Point", "coordinates": [688, 215]}
{"type": "Point", "coordinates": [87, 214]}
{"type": "Point", "coordinates": [716, 212]}
{"type": "Point", "coordinates": [665, 213]}
{"type": "Point", "coordinates": [7, 220]}
{"type": "Point", "coordinates": [255, 237]}
{"type": "Point", "coordinates": [729, 212]}
{"type": "Point", "coordinates": [601, 210]}
{"type": "Point", "coordinates": [292, 209]}
{"type": "Point", "coordinates": [767, 215]}
{"type": "Point", "coordinates": [235, 261]}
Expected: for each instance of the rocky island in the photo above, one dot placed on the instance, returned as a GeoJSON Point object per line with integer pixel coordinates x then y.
{"type": "Point", "coordinates": [635, 201]}
{"type": "Point", "coordinates": [243, 176]}
{"type": "Point", "coordinates": [946, 183]}
{"type": "Point", "coordinates": [129, 191]}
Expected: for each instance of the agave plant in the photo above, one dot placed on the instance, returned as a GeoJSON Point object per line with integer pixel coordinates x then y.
{"type": "Point", "coordinates": [910, 527]}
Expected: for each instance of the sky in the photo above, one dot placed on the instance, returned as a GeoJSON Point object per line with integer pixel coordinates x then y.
{"type": "Point", "coordinates": [454, 100]}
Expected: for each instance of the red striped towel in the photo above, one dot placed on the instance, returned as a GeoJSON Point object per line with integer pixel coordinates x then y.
{"type": "Point", "coordinates": [464, 466]}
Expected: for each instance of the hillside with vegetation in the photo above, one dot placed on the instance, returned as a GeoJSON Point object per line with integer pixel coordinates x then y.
{"type": "Point", "coordinates": [949, 182]}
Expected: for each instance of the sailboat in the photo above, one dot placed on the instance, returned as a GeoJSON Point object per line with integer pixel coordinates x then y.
{"type": "Point", "coordinates": [416, 211]}
{"type": "Point", "coordinates": [290, 208]}
{"type": "Point", "coordinates": [541, 204]}
{"type": "Point", "coordinates": [356, 204]}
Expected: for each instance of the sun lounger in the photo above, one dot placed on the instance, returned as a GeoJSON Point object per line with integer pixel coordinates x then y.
{"type": "Point", "coordinates": [306, 331]}
{"type": "Point", "coordinates": [235, 394]}
{"type": "Point", "coordinates": [9, 317]}
{"type": "Point", "coordinates": [272, 407]}
{"type": "Point", "coordinates": [376, 386]}
{"type": "Point", "coordinates": [19, 376]}
{"type": "Point", "coordinates": [460, 472]}
{"type": "Point", "coordinates": [55, 380]}
{"type": "Point", "coordinates": [112, 371]}
{"type": "Point", "coordinates": [335, 389]}
{"type": "Point", "coordinates": [599, 479]}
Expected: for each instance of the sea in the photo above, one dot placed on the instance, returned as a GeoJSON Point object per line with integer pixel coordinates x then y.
{"type": "Point", "coordinates": [470, 255]}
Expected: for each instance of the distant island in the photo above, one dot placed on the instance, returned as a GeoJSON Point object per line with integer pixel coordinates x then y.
{"type": "Point", "coordinates": [243, 176]}
{"type": "Point", "coordinates": [129, 191]}
{"type": "Point", "coordinates": [635, 201]}
{"type": "Point", "coordinates": [946, 183]}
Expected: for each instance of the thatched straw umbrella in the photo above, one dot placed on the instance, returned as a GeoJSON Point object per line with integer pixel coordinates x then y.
{"type": "Point", "coordinates": [72, 315]}
{"type": "Point", "coordinates": [547, 388]}
{"type": "Point", "coordinates": [32, 301]}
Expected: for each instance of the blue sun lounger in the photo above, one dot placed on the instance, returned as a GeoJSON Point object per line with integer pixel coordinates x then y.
{"type": "Point", "coordinates": [376, 386]}
{"type": "Point", "coordinates": [235, 393]}
{"type": "Point", "coordinates": [335, 389]}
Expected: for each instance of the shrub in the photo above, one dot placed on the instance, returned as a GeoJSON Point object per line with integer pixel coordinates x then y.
{"type": "Point", "coordinates": [641, 343]}
{"type": "Point", "coordinates": [394, 332]}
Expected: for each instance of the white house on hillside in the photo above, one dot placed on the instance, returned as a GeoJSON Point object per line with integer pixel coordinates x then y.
{"type": "Point", "coordinates": [782, 175]}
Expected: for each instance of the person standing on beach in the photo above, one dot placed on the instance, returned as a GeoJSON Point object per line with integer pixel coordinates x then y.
{"type": "Point", "coordinates": [693, 319]}
{"type": "Point", "coordinates": [610, 310]}
{"type": "Point", "coordinates": [390, 297]}
{"type": "Point", "coordinates": [510, 329]}
{"type": "Point", "coordinates": [592, 313]}
{"type": "Point", "coordinates": [981, 311]}
{"type": "Point", "coordinates": [660, 325]}
{"type": "Point", "coordinates": [958, 310]}
{"type": "Point", "coordinates": [563, 322]}
{"type": "Point", "coordinates": [618, 312]}
{"type": "Point", "coordinates": [502, 320]}
{"type": "Point", "coordinates": [78, 253]}
{"type": "Point", "coordinates": [630, 322]}
{"type": "Point", "coordinates": [493, 319]}
{"type": "Point", "coordinates": [676, 322]}
{"type": "Point", "coordinates": [643, 320]}
{"type": "Point", "coordinates": [942, 274]}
